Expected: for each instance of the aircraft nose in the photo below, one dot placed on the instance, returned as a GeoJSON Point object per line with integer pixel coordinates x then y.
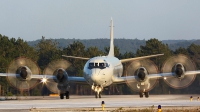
{"type": "Point", "coordinates": [94, 77]}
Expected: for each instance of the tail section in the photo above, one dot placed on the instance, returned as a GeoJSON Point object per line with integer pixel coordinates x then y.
{"type": "Point", "coordinates": [111, 52]}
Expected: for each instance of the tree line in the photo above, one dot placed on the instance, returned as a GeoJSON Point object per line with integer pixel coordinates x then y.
{"type": "Point", "coordinates": [47, 50]}
{"type": "Point", "coordinates": [125, 45]}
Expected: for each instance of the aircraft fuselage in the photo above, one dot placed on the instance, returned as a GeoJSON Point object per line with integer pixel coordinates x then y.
{"type": "Point", "coordinates": [101, 70]}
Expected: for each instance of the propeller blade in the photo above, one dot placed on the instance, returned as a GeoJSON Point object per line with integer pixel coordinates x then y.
{"type": "Point", "coordinates": [51, 70]}
{"type": "Point", "coordinates": [13, 72]}
{"type": "Point", "coordinates": [132, 71]}
{"type": "Point", "coordinates": [169, 66]}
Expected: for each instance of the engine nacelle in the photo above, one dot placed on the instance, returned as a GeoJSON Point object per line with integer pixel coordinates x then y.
{"type": "Point", "coordinates": [62, 79]}
{"type": "Point", "coordinates": [61, 76]}
{"type": "Point", "coordinates": [23, 73]}
{"type": "Point", "coordinates": [142, 74]}
{"type": "Point", "coordinates": [179, 71]}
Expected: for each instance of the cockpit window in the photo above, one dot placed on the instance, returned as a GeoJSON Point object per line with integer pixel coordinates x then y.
{"type": "Point", "coordinates": [91, 64]}
{"type": "Point", "coordinates": [97, 65]}
{"type": "Point", "coordinates": [101, 64]}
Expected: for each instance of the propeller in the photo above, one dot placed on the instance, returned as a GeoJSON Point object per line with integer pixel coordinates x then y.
{"type": "Point", "coordinates": [20, 71]}
{"type": "Point", "coordinates": [54, 67]}
{"type": "Point", "coordinates": [136, 68]}
{"type": "Point", "coordinates": [169, 66]}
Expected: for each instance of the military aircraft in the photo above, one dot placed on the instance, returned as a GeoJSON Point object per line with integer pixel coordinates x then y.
{"type": "Point", "coordinates": [102, 71]}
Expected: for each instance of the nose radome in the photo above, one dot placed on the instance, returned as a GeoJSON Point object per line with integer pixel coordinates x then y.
{"type": "Point", "coordinates": [94, 77]}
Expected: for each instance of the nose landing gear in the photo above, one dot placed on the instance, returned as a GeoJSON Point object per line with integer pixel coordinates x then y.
{"type": "Point", "coordinates": [97, 95]}
{"type": "Point", "coordinates": [97, 90]}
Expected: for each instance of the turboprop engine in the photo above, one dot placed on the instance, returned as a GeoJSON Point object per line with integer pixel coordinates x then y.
{"type": "Point", "coordinates": [178, 65]}
{"type": "Point", "coordinates": [57, 77]}
{"type": "Point", "coordinates": [23, 73]}
{"type": "Point", "coordinates": [20, 71]}
{"type": "Point", "coordinates": [141, 74]}
{"type": "Point", "coordinates": [141, 69]}
{"type": "Point", "coordinates": [62, 79]}
{"type": "Point", "coordinates": [179, 71]}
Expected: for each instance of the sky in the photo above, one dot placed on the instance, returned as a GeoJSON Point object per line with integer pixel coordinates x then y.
{"type": "Point", "coordinates": [90, 19]}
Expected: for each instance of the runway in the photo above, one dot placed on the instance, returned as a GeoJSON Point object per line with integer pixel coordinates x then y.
{"type": "Point", "coordinates": [111, 101]}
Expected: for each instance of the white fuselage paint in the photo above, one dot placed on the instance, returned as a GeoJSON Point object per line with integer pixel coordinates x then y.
{"type": "Point", "coordinates": [102, 76]}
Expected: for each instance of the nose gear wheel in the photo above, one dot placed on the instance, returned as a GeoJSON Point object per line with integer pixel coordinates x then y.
{"type": "Point", "coordinates": [97, 90]}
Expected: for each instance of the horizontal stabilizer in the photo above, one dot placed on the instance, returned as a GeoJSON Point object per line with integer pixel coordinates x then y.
{"type": "Point", "coordinates": [82, 58]}
{"type": "Point", "coordinates": [139, 58]}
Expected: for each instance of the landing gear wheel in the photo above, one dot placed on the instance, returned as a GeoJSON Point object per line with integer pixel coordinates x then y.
{"type": "Point", "coordinates": [141, 94]}
{"type": "Point", "coordinates": [99, 95]}
{"type": "Point", "coordinates": [67, 94]}
{"type": "Point", "coordinates": [61, 96]}
{"type": "Point", "coordinates": [146, 94]}
{"type": "Point", "coordinates": [96, 95]}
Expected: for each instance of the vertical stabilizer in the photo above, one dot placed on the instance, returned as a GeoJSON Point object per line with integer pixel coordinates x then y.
{"type": "Point", "coordinates": [111, 52]}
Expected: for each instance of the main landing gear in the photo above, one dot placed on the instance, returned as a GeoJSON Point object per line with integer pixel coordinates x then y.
{"type": "Point", "coordinates": [144, 93]}
{"type": "Point", "coordinates": [64, 94]}
{"type": "Point", "coordinates": [97, 90]}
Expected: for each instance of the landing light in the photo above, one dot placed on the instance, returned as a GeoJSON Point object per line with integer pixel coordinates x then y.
{"type": "Point", "coordinates": [165, 78]}
{"type": "Point", "coordinates": [44, 80]}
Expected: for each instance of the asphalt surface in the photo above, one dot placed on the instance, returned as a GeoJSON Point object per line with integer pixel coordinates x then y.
{"type": "Point", "coordinates": [47, 103]}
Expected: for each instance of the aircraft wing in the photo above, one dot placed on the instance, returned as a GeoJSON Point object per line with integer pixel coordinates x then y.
{"type": "Point", "coordinates": [139, 58]}
{"type": "Point", "coordinates": [162, 75]}
{"type": "Point", "coordinates": [15, 75]}
{"type": "Point", "coordinates": [79, 80]}
{"type": "Point", "coordinates": [70, 78]}
{"type": "Point", "coordinates": [118, 80]}
{"type": "Point", "coordinates": [37, 76]}
{"type": "Point", "coordinates": [3, 74]}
